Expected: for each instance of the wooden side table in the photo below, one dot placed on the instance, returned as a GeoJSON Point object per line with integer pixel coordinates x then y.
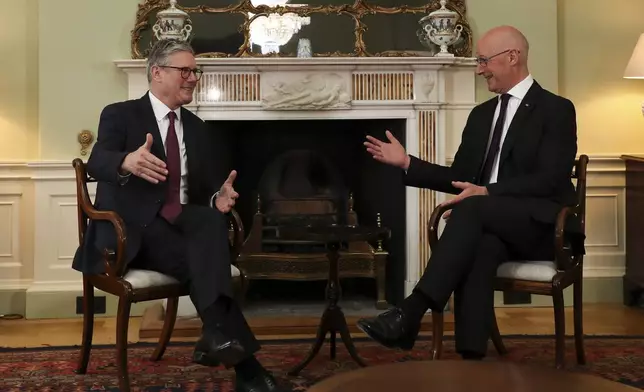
{"type": "Point", "coordinates": [633, 280]}
{"type": "Point", "coordinates": [465, 376]}
{"type": "Point", "coordinates": [333, 319]}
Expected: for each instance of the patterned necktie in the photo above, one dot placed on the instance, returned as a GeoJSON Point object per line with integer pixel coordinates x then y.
{"type": "Point", "coordinates": [172, 206]}
{"type": "Point", "coordinates": [495, 144]}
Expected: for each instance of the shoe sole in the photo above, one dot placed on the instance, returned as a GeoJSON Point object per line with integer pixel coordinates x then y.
{"type": "Point", "coordinates": [384, 342]}
{"type": "Point", "coordinates": [228, 356]}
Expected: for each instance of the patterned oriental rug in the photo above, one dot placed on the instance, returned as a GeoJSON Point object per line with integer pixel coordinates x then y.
{"type": "Point", "coordinates": [52, 368]}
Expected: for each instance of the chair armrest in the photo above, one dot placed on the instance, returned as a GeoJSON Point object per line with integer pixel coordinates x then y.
{"type": "Point", "coordinates": [237, 238]}
{"type": "Point", "coordinates": [114, 261]}
{"type": "Point", "coordinates": [434, 220]}
{"type": "Point", "coordinates": [563, 251]}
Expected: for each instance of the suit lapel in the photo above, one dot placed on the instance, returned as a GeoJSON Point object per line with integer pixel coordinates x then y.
{"type": "Point", "coordinates": [151, 126]}
{"type": "Point", "coordinates": [526, 107]}
{"type": "Point", "coordinates": [189, 139]}
{"type": "Point", "coordinates": [483, 136]}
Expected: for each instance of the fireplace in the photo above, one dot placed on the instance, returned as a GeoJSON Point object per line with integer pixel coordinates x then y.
{"type": "Point", "coordinates": [425, 100]}
{"type": "Point", "coordinates": [314, 171]}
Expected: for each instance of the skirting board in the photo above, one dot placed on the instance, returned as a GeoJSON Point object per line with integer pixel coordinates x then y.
{"type": "Point", "coordinates": [152, 324]}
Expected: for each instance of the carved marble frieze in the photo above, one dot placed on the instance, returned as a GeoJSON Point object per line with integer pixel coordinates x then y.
{"type": "Point", "coordinates": [308, 91]}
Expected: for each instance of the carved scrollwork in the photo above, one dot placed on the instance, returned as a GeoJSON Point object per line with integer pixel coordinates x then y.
{"type": "Point", "coordinates": [356, 11]}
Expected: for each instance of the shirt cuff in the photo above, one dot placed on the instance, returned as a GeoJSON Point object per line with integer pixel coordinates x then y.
{"type": "Point", "coordinates": [212, 199]}
{"type": "Point", "coordinates": [123, 179]}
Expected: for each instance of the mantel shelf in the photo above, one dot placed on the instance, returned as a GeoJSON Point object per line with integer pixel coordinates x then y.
{"type": "Point", "coordinates": [434, 62]}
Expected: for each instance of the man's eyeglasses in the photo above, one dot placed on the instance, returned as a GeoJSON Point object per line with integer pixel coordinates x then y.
{"type": "Point", "coordinates": [185, 71]}
{"type": "Point", "coordinates": [482, 60]}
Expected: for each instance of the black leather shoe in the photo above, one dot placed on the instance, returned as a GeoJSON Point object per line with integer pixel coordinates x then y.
{"type": "Point", "coordinates": [390, 329]}
{"type": "Point", "coordinates": [213, 349]}
{"type": "Point", "coordinates": [263, 382]}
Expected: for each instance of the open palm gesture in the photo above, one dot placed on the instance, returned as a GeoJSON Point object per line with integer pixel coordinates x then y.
{"type": "Point", "coordinates": [226, 198]}
{"type": "Point", "coordinates": [392, 153]}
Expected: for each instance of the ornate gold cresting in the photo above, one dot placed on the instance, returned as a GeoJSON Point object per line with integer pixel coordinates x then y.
{"type": "Point", "coordinates": [85, 139]}
{"type": "Point", "coordinates": [356, 11]}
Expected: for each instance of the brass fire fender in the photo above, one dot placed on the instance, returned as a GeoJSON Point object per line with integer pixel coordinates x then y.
{"type": "Point", "coordinates": [357, 10]}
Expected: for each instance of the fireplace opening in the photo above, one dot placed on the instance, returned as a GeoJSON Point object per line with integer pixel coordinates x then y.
{"type": "Point", "coordinates": [312, 171]}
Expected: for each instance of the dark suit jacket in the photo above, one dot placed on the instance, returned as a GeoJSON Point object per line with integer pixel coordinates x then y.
{"type": "Point", "coordinates": [122, 129]}
{"type": "Point", "coordinates": [537, 156]}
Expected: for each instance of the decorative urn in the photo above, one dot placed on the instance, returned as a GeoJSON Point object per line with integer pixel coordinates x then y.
{"type": "Point", "coordinates": [172, 23]}
{"type": "Point", "coordinates": [441, 28]}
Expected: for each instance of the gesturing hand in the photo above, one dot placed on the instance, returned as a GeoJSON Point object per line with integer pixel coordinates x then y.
{"type": "Point", "coordinates": [392, 153]}
{"type": "Point", "coordinates": [469, 189]}
{"type": "Point", "coordinates": [226, 198]}
{"type": "Point", "coordinates": [142, 163]}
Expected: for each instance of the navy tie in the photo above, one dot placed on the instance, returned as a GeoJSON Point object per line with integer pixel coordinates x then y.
{"type": "Point", "coordinates": [495, 144]}
{"type": "Point", "coordinates": [172, 206]}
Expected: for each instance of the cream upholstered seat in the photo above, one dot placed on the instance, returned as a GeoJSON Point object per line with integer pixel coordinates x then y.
{"type": "Point", "coordinates": [140, 278]}
{"type": "Point", "coordinates": [539, 271]}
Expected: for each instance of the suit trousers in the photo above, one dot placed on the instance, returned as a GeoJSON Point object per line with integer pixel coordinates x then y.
{"type": "Point", "coordinates": [481, 233]}
{"type": "Point", "coordinates": [195, 250]}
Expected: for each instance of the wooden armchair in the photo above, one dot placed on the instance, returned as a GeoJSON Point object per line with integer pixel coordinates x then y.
{"type": "Point", "coordinates": [133, 285]}
{"type": "Point", "coordinates": [537, 277]}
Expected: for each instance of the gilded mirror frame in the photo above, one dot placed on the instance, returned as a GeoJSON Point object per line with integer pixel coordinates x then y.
{"type": "Point", "coordinates": [356, 11]}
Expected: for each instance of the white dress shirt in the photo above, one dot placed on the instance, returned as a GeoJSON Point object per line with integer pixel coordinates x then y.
{"type": "Point", "coordinates": [517, 93]}
{"type": "Point", "coordinates": [161, 114]}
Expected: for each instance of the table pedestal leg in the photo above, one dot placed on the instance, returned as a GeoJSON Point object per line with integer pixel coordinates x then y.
{"type": "Point", "coordinates": [333, 319]}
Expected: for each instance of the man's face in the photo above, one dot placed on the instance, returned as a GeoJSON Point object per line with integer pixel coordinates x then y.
{"type": "Point", "coordinates": [176, 80]}
{"type": "Point", "coordinates": [495, 67]}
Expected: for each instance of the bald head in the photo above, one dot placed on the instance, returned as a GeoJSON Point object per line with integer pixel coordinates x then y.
{"type": "Point", "coordinates": [503, 54]}
{"type": "Point", "coordinates": [506, 37]}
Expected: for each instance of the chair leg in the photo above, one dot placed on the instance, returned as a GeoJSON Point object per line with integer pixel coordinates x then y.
{"type": "Point", "coordinates": [437, 335]}
{"type": "Point", "coordinates": [578, 320]}
{"type": "Point", "coordinates": [168, 326]}
{"type": "Point", "coordinates": [560, 327]}
{"type": "Point", "coordinates": [88, 326]}
{"type": "Point", "coordinates": [495, 335]}
{"type": "Point", "coordinates": [381, 281]}
{"type": "Point", "coordinates": [244, 289]}
{"type": "Point", "coordinates": [122, 323]}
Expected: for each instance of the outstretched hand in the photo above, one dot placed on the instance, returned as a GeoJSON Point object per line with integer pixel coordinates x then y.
{"type": "Point", "coordinates": [392, 153]}
{"type": "Point", "coordinates": [142, 163]}
{"type": "Point", "coordinates": [225, 200]}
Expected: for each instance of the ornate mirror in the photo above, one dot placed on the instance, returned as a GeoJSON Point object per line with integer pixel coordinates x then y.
{"type": "Point", "coordinates": [322, 28]}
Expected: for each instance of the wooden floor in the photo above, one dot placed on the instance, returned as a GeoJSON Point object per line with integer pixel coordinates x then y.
{"type": "Point", "coordinates": [598, 320]}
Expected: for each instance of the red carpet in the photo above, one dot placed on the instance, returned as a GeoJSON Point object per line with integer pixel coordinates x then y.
{"type": "Point", "coordinates": [52, 369]}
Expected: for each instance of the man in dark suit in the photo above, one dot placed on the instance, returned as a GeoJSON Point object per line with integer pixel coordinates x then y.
{"type": "Point", "coordinates": [511, 174]}
{"type": "Point", "coordinates": [151, 161]}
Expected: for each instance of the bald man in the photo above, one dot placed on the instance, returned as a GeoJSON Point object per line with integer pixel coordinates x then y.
{"type": "Point", "coordinates": [511, 177]}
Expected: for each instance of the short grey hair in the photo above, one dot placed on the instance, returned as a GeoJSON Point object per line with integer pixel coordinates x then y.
{"type": "Point", "coordinates": [162, 50]}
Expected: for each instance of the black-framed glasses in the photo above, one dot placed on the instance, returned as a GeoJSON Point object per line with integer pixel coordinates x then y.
{"type": "Point", "coordinates": [482, 60]}
{"type": "Point", "coordinates": [185, 71]}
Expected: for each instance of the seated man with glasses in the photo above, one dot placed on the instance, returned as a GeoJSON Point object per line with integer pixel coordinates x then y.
{"type": "Point", "coordinates": [511, 175]}
{"type": "Point", "coordinates": [151, 161]}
